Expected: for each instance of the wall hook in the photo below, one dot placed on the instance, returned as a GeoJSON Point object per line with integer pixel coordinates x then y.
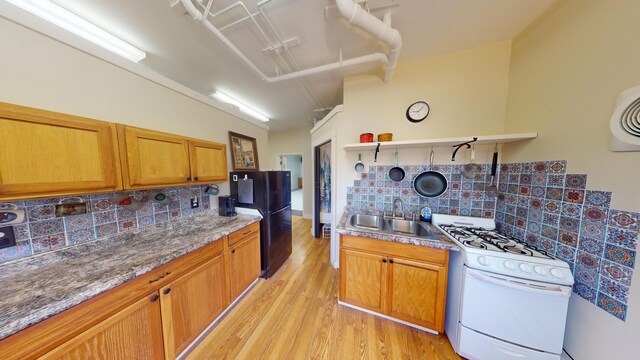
{"type": "Point", "coordinates": [375, 157]}
{"type": "Point", "coordinates": [468, 144]}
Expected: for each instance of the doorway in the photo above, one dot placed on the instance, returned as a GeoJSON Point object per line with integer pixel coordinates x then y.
{"type": "Point", "coordinates": [293, 163]}
{"type": "Point", "coordinates": [322, 190]}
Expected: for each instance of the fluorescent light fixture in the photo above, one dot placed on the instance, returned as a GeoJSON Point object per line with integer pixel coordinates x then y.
{"type": "Point", "coordinates": [71, 22]}
{"type": "Point", "coordinates": [244, 108]}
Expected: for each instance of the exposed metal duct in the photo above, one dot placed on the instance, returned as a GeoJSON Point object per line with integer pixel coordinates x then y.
{"type": "Point", "coordinates": [356, 15]}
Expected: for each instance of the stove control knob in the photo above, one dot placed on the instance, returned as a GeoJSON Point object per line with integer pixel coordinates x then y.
{"type": "Point", "coordinates": [525, 268]}
{"type": "Point", "coordinates": [540, 270]}
{"type": "Point", "coordinates": [555, 272]}
{"type": "Point", "coordinates": [510, 265]}
{"type": "Point", "coordinates": [483, 260]}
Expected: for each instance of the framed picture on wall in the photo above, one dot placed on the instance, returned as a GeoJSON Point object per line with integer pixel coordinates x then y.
{"type": "Point", "coordinates": [244, 152]}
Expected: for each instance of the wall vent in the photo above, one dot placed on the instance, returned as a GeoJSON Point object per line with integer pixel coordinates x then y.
{"type": "Point", "coordinates": [625, 122]}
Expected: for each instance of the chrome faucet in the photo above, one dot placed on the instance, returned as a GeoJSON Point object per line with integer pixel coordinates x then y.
{"type": "Point", "coordinates": [401, 207]}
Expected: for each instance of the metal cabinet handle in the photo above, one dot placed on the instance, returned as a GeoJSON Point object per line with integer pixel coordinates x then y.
{"type": "Point", "coordinates": [155, 298]}
{"type": "Point", "coordinates": [166, 291]}
{"type": "Point", "coordinates": [245, 233]}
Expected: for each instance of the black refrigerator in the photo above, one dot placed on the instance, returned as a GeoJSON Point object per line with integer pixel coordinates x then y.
{"type": "Point", "coordinates": [269, 192]}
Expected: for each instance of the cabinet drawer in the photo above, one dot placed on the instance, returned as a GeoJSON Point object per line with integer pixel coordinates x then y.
{"type": "Point", "coordinates": [243, 233]}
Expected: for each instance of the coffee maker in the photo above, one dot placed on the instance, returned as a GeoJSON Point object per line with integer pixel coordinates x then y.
{"type": "Point", "coordinates": [227, 206]}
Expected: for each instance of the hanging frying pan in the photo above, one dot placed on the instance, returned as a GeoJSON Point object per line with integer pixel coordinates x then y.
{"type": "Point", "coordinates": [430, 183]}
{"type": "Point", "coordinates": [359, 165]}
{"type": "Point", "coordinates": [396, 173]}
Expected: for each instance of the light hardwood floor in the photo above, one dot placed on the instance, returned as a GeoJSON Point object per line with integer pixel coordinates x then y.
{"type": "Point", "coordinates": [296, 315]}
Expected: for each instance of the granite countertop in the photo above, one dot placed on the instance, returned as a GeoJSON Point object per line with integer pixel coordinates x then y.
{"type": "Point", "coordinates": [442, 242]}
{"type": "Point", "coordinates": [39, 287]}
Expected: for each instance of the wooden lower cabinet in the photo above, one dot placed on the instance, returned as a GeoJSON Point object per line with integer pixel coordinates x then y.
{"type": "Point", "coordinates": [191, 303]}
{"type": "Point", "coordinates": [133, 333]}
{"type": "Point", "coordinates": [244, 260]}
{"type": "Point", "coordinates": [406, 282]}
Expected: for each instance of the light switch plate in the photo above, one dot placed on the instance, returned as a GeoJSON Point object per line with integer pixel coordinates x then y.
{"type": "Point", "coordinates": [7, 237]}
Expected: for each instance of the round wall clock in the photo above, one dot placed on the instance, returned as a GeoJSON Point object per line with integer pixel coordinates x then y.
{"type": "Point", "coordinates": [417, 111]}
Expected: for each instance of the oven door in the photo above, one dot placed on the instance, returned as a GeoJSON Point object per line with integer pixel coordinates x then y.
{"type": "Point", "coordinates": [522, 312]}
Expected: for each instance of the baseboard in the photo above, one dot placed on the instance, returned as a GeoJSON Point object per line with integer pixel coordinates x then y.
{"type": "Point", "coordinates": [389, 318]}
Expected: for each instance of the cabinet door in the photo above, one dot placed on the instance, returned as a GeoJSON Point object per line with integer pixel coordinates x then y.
{"type": "Point", "coordinates": [363, 279]}
{"type": "Point", "coordinates": [244, 259]}
{"type": "Point", "coordinates": [151, 159]}
{"type": "Point", "coordinates": [208, 161]}
{"type": "Point", "coordinates": [417, 292]}
{"type": "Point", "coordinates": [132, 333]}
{"type": "Point", "coordinates": [44, 154]}
{"type": "Point", "coordinates": [191, 303]}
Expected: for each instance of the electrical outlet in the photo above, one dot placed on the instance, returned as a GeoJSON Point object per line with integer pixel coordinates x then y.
{"type": "Point", "coordinates": [7, 238]}
{"type": "Point", "coordinates": [194, 202]}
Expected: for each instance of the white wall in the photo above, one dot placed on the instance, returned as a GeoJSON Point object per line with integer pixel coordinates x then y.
{"type": "Point", "coordinates": [295, 141]}
{"type": "Point", "coordinates": [294, 164]}
{"type": "Point", "coordinates": [566, 71]}
{"type": "Point", "coordinates": [467, 92]}
{"type": "Point", "coordinates": [40, 72]}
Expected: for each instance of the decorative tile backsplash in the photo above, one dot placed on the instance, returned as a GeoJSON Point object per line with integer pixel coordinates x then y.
{"type": "Point", "coordinates": [537, 202]}
{"type": "Point", "coordinates": [540, 204]}
{"type": "Point", "coordinates": [42, 231]}
{"type": "Point", "coordinates": [468, 197]}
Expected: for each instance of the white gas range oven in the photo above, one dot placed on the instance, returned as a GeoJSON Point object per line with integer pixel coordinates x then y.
{"type": "Point", "coordinates": [506, 299]}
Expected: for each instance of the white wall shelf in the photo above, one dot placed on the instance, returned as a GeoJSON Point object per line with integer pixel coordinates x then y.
{"type": "Point", "coordinates": [422, 143]}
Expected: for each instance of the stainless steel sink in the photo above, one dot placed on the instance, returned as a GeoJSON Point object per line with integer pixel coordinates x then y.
{"type": "Point", "coordinates": [380, 224]}
{"type": "Point", "coordinates": [368, 222]}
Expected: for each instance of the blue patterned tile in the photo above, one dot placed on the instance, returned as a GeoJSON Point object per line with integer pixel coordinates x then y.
{"type": "Point", "coordinates": [126, 225]}
{"type": "Point", "coordinates": [585, 291]}
{"type": "Point", "coordinates": [104, 217]}
{"type": "Point", "coordinates": [554, 193]}
{"type": "Point", "coordinates": [41, 212]}
{"type": "Point", "coordinates": [595, 214]}
{"type": "Point", "coordinates": [586, 276]}
{"type": "Point", "coordinates": [588, 261]}
{"type": "Point", "coordinates": [620, 255]}
{"type": "Point", "coordinates": [569, 224]}
{"type": "Point", "coordinates": [101, 196]}
{"type": "Point", "coordinates": [36, 202]}
{"type": "Point", "coordinates": [568, 238]}
{"type": "Point", "coordinates": [571, 210]}
{"type": "Point", "coordinates": [617, 272]}
{"type": "Point", "coordinates": [146, 220]}
{"type": "Point", "coordinates": [558, 166]}
{"type": "Point", "coordinates": [78, 221]}
{"type": "Point", "coordinates": [555, 180]}
{"type": "Point", "coordinates": [48, 243]}
{"type": "Point", "coordinates": [540, 167]}
{"type": "Point", "coordinates": [526, 179]}
{"type": "Point", "coordinates": [21, 231]}
{"type": "Point", "coordinates": [574, 195]}
{"type": "Point", "coordinates": [598, 198]}
{"type": "Point", "coordinates": [550, 219]}
{"type": "Point", "coordinates": [624, 219]}
{"type": "Point", "coordinates": [549, 232]}
{"type": "Point", "coordinates": [535, 215]}
{"type": "Point", "coordinates": [623, 238]}
{"type": "Point", "coordinates": [22, 249]}
{"type": "Point", "coordinates": [592, 230]}
{"type": "Point", "coordinates": [612, 306]}
{"type": "Point", "coordinates": [47, 227]}
{"type": "Point", "coordinates": [539, 180]}
{"type": "Point", "coordinates": [591, 246]}
{"type": "Point", "coordinates": [162, 217]}
{"type": "Point", "coordinates": [576, 181]}
{"type": "Point", "coordinates": [106, 229]}
{"type": "Point", "coordinates": [552, 206]}
{"type": "Point", "coordinates": [614, 289]}
{"type": "Point", "coordinates": [123, 214]}
{"type": "Point", "coordinates": [81, 235]}
{"type": "Point", "coordinates": [565, 253]}
{"type": "Point", "coordinates": [548, 245]}
{"type": "Point", "coordinates": [102, 205]}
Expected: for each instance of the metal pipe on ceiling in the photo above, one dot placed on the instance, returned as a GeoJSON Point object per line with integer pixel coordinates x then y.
{"type": "Point", "coordinates": [359, 18]}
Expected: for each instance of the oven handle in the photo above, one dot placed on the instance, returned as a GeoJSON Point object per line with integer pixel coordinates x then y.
{"type": "Point", "coordinates": [561, 291]}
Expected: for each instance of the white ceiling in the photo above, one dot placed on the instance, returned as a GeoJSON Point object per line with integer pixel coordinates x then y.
{"type": "Point", "coordinates": [185, 51]}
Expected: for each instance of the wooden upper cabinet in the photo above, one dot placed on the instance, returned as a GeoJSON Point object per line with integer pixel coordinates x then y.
{"type": "Point", "coordinates": [191, 303]}
{"type": "Point", "coordinates": [208, 161]}
{"type": "Point", "coordinates": [417, 292]}
{"type": "Point", "coordinates": [363, 279]}
{"type": "Point", "coordinates": [45, 154]}
{"type": "Point", "coordinates": [133, 333]}
{"type": "Point", "coordinates": [151, 159]}
{"type": "Point", "coordinates": [244, 260]}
